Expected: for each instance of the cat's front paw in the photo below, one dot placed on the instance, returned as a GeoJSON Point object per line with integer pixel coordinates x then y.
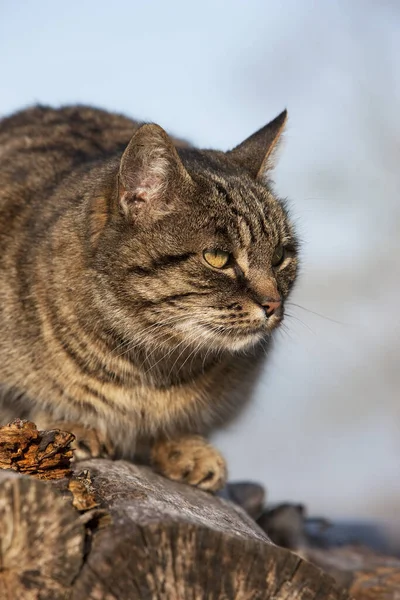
{"type": "Point", "coordinates": [88, 443]}
{"type": "Point", "coordinates": [190, 460]}
{"type": "Point", "coordinates": [91, 443]}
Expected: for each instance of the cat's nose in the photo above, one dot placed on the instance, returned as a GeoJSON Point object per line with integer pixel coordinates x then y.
{"type": "Point", "coordinates": [271, 306]}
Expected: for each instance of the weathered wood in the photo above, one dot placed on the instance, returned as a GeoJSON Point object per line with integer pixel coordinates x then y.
{"type": "Point", "coordinates": [83, 496]}
{"type": "Point", "coordinates": [189, 562]}
{"type": "Point", "coordinates": [136, 494]}
{"type": "Point", "coordinates": [171, 541]}
{"type": "Point", "coordinates": [182, 544]}
{"type": "Point", "coordinates": [41, 540]}
{"type": "Point", "coordinates": [161, 539]}
{"type": "Point", "coordinates": [367, 575]}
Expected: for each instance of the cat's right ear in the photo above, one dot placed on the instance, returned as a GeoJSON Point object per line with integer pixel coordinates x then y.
{"type": "Point", "coordinates": [150, 173]}
{"type": "Point", "coordinates": [257, 152]}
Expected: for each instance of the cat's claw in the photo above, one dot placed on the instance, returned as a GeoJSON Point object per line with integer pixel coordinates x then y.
{"type": "Point", "coordinates": [192, 460]}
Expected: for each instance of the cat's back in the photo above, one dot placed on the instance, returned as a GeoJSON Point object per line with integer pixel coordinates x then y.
{"type": "Point", "coordinates": [42, 120]}
{"type": "Point", "coordinates": [40, 148]}
{"type": "Point", "coordinates": [40, 145]}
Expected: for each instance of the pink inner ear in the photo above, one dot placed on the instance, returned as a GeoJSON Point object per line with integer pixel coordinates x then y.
{"type": "Point", "coordinates": [150, 188]}
{"type": "Point", "coordinates": [149, 180]}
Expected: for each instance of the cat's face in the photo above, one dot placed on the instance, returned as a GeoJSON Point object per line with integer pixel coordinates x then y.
{"type": "Point", "coordinates": [211, 264]}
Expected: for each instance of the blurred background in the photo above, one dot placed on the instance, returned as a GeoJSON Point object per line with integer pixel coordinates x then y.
{"type": "Point", "coordinates": [324, 427]}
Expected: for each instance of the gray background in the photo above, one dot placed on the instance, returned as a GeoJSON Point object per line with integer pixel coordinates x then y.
{"type": "Point", "coordinates": [324, 428]}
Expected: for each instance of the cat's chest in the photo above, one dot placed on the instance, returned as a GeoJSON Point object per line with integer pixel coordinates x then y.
{"type": "Point", "coordinates": [196, 405]}
{"type": "Point", "coordinates": [188, 406]}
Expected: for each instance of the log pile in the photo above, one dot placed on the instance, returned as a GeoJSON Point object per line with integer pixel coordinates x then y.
{"type": "Point", "coordinates": [119, 531]}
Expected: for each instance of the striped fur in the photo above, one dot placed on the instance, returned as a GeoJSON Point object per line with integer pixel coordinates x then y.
{"type": "Point", "coordinates": [110, 316]}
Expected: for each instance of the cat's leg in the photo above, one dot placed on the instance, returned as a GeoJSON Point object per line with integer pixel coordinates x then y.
{"type": "Point", "coordinates": [190, 459]}
{"type": "Point", "coordinates": [89, 442]}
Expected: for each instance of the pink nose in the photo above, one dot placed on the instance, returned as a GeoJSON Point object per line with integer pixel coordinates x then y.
{"type": "Point", "coordinates": [271, 306]}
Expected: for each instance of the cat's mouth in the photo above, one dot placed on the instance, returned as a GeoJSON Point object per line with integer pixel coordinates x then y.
{"type": "Point", "coordinates": [263, 329]}
{"type": "Point", "coordinates": [236, 337]}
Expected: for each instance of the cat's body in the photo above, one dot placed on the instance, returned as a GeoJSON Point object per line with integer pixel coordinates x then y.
{"type": "Point", "coordinates": [109, 315]}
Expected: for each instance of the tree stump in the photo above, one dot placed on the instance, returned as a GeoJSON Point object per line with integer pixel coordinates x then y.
{"type": "Point", "coordinates": [170, 541]}
{"type": "Point", "coordinates": [117, 531]}
{"type": "Point", "coordinates": [41, 540]}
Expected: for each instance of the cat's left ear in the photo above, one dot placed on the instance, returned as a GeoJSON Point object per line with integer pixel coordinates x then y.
{"type": "Point", "coordinates": [151, 173]}
{"type": "Point", "coordinates": [255, 154]}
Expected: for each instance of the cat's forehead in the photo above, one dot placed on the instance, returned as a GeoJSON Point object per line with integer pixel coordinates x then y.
{"type": "Point", "coordinates": [242, 211]}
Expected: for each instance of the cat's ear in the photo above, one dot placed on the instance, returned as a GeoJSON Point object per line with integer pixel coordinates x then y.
{"type": "Point", "coordinates": [150, 172]}
{"type": "Point", "coordinates": [255, 154]}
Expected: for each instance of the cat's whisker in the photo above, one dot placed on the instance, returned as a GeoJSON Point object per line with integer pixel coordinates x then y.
{"type": "Point", "coordinates": [162, 358]}
{"type": "Point", "coordinates": [207, 352]}
{"type": "Point", "coordinates": [144, 333]}
{"type": "Point", "coordinates": [174, 348]}
{"type": "Point", "coordinates": [192, 353]}
{"type": "Point", "coordinates": [313, 312]}
{"type": "Point", "coordinates": [285, 331]}
{"type": "Point", "coordinates": [290, 316]}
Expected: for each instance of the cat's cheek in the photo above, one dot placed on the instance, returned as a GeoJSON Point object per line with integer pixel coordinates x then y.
{"type": "Point", "coordinates": [256, 313]}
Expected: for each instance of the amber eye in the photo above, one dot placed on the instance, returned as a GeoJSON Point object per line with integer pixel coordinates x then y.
{"type": "Point", "coordinates": [278, 256]}
{"type": "Point", "coordinates": [217, 258]}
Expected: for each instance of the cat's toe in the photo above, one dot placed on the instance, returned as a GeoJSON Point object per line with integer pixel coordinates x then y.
{"type": "Point", "coordinates": [88, 442]}
{"type": "Point", "coordinates": [191, 460]}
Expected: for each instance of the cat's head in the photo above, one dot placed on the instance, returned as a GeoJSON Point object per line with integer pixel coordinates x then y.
{"type": "Point", "coordinates": [198, 251]}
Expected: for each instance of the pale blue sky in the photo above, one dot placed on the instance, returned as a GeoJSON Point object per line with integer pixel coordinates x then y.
{"type": "Point", "coordinates": [180, 63]}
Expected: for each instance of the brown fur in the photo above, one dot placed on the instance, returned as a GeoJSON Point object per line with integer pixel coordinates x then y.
{"type": "Point", "coordinates": [110, 315]}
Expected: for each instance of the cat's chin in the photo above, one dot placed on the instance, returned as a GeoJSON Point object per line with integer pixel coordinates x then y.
{"type": "Point", "coordinates": [245, 340]}
{"type": "Point", "coordinates": [239, 342]}
{"type": "Point", "coordinates": [229, 341]}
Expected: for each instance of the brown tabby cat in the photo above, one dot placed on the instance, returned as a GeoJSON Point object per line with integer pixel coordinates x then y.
{"type": "Point", "coordinates": [140, 281]}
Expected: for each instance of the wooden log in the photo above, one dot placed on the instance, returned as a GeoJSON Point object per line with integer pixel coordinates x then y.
{"type": "Point", "coordinates": [161, 540]}
{"type": "Point", "coordinates": [367, 575]}
{"type": "Point", "coordinates": [182, 544]}
{"type": "Point", "coordinates": [118, 531]}
{"type": "Point", "coordinates": [170, 541]}
{"type": "Point", "coordinates": [41, 540]}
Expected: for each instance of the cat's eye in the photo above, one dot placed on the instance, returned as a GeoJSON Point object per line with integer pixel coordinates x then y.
{"type": "Point", "coordinates": [278, 256]}
{"type": "Point", "coordinates": [217, 258]}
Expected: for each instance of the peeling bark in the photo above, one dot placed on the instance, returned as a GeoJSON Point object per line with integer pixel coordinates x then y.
{"type": "Point", "coordinates": [44, 454]}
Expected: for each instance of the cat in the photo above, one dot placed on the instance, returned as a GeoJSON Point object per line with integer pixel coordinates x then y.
{"type": "Point", "coordinates": [140, 282]}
